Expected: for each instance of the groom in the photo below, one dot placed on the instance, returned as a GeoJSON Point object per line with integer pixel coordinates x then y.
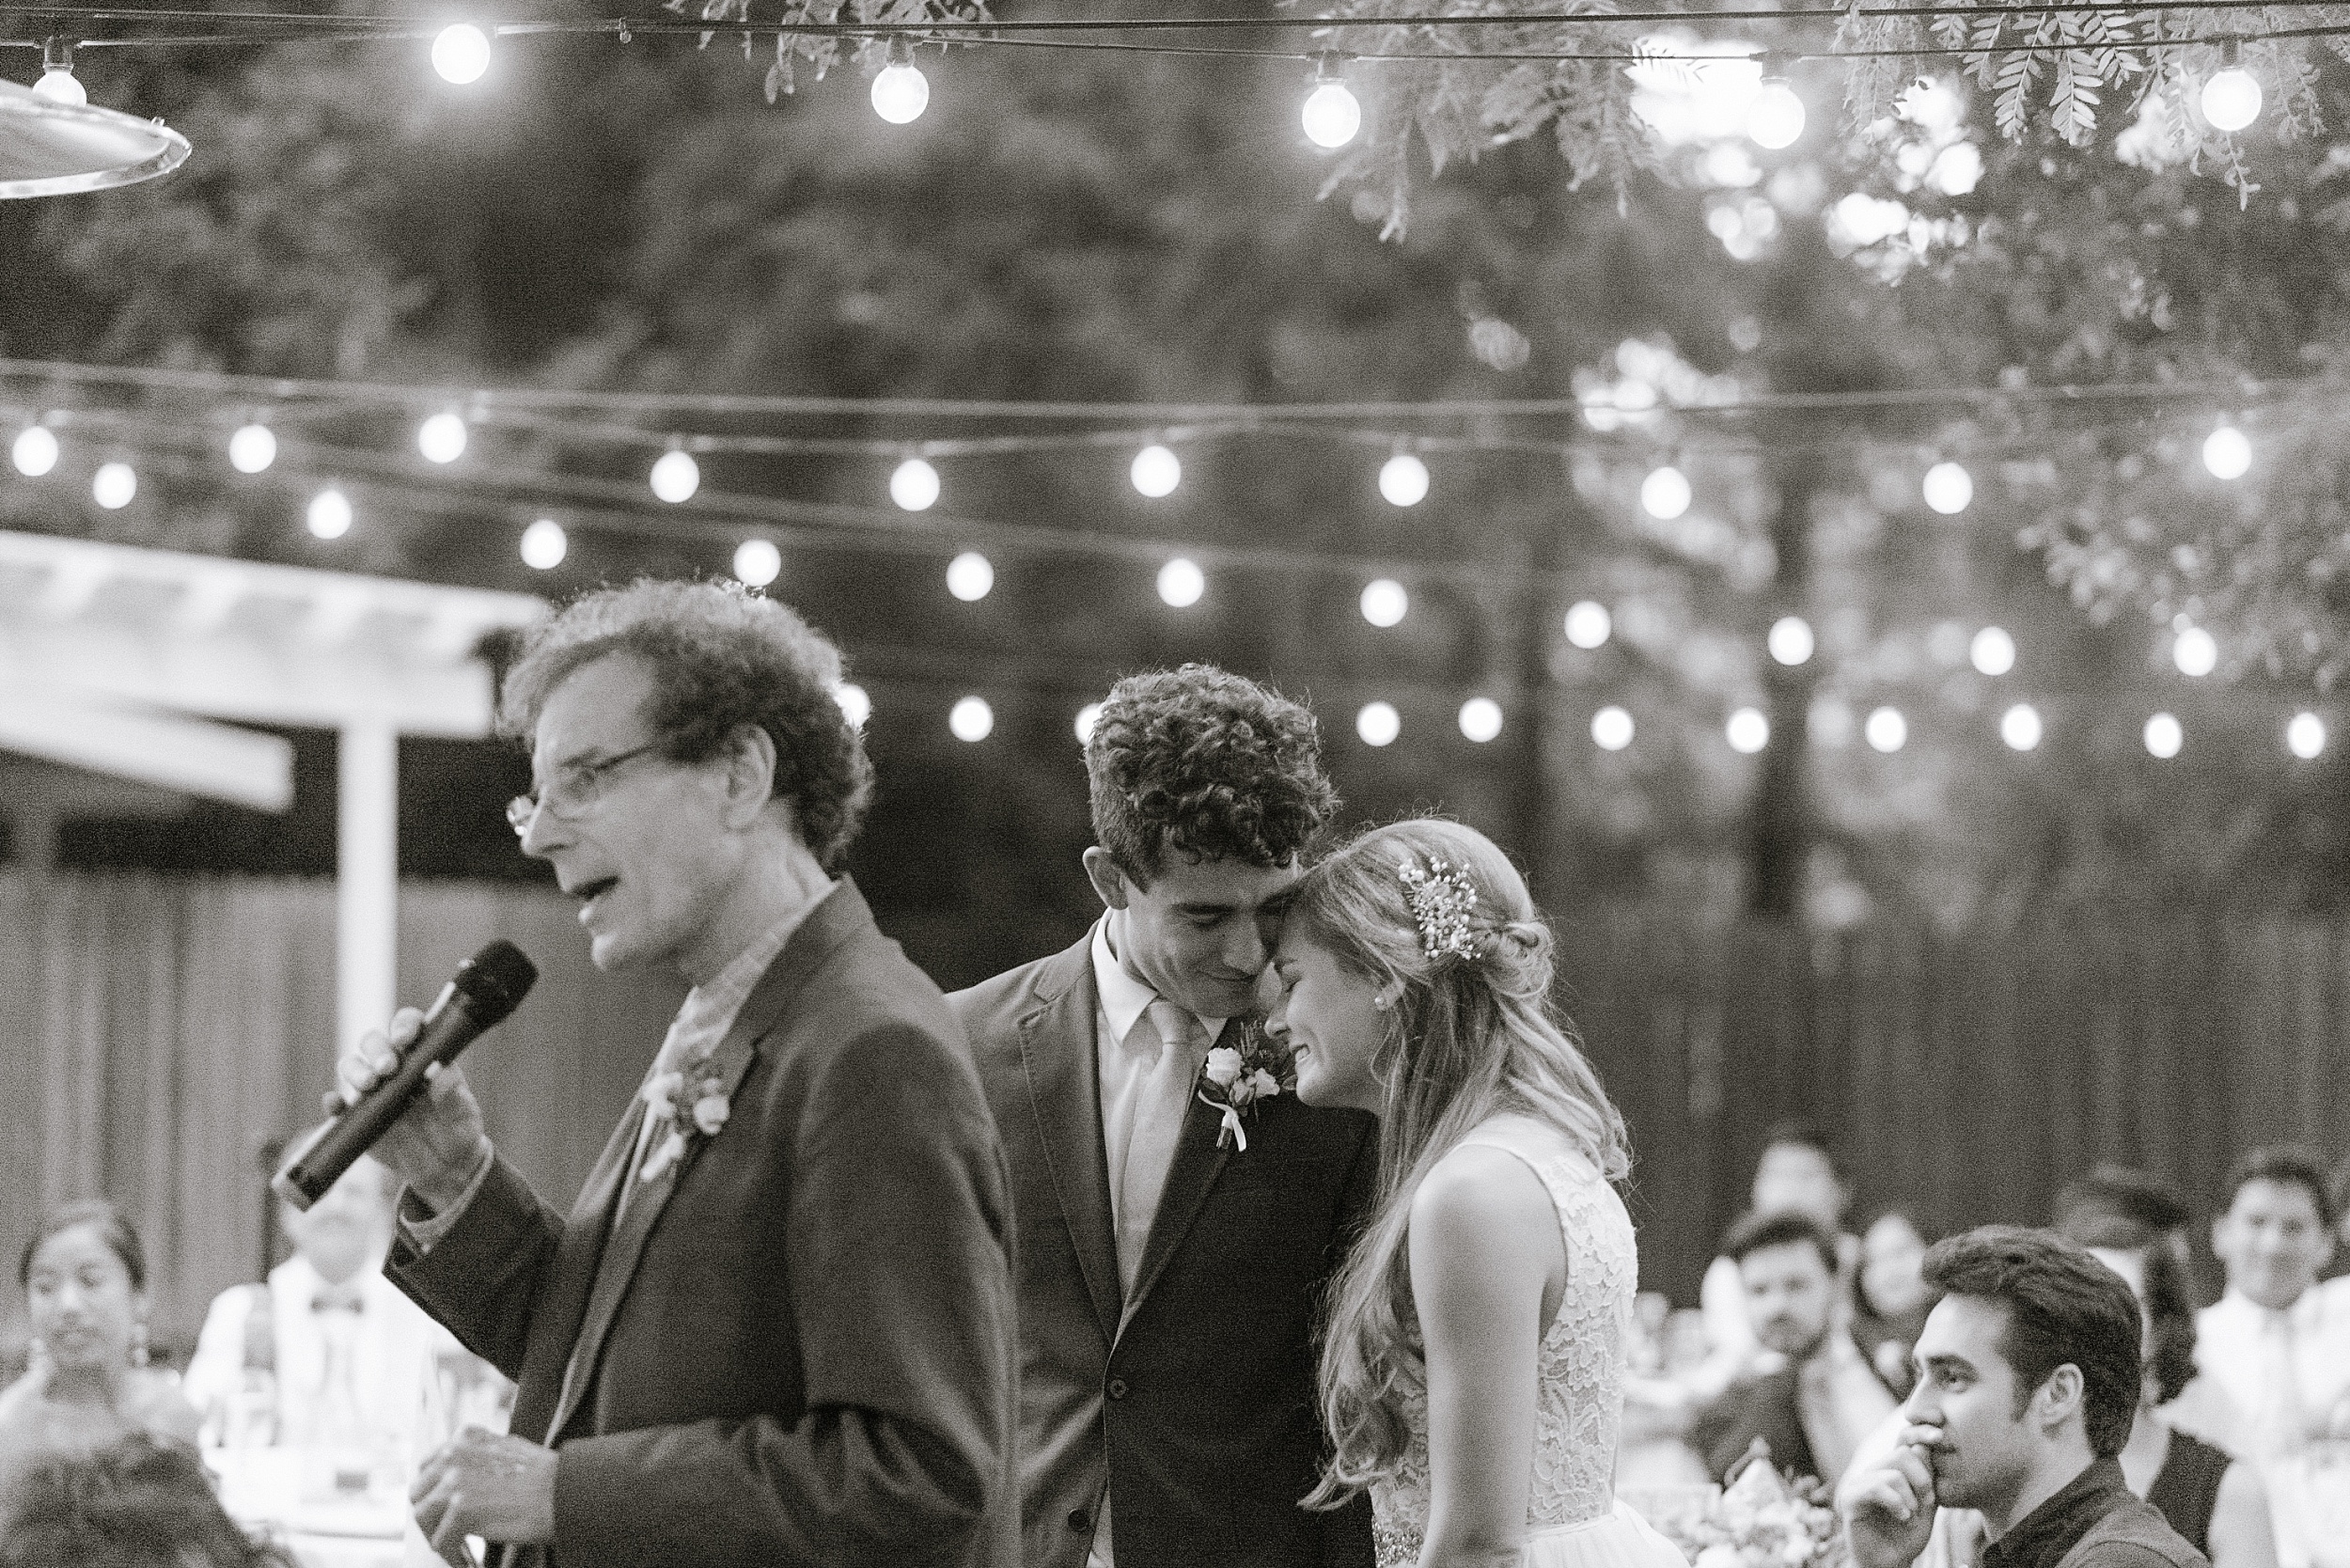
{"type": "Point", "coordinates": [1170, 1279]}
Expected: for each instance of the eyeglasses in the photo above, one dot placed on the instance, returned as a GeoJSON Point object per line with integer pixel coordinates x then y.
{"type": "Point", "coordinates": [573, 791]}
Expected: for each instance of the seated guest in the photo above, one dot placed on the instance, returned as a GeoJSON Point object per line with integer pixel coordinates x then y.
{"type": "Point", "coordinates": [2217, 1503]}
{"type": "Point", "coordinates": [1797, 1172]}
{"type": "Point", "coordinates": [342, 1345]}
{"type": "Point", "coordinates": [1889, 1295]}
{"type": "Point", "coordinates": [1816, 1398]}
{"type": "Point", "coordinates": [2029, 1376]}
{"type": "Point", "coordinates": [136, 1502]}
{"type": "Point", "coordinates": [2277, 1343]}
{"type": "Point", "coordinates": [84, 1279]}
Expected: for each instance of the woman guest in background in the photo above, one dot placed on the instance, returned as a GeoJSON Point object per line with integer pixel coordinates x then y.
{"type": "Point", "coordinates": [2214, 1501]}
{"type": "Point", "coordinates": [1471, 1372]}
{"type": "Point", "coordinates": [1890, 1296]}
{"type": "Point", "coordinates": [135, 1503]}
{"type": "Point", "coordinates": [85, 1280]}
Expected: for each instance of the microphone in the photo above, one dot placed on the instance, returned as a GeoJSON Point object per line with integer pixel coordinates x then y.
{"type": "Point", "coordinates": [477, 997]}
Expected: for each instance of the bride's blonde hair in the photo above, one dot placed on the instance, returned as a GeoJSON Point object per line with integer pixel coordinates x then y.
{"type": "Point", "coordinates": [1472, 1031]}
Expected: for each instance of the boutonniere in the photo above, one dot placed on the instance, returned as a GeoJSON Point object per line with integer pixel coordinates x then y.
{"type": "Point", "coordinates": [697, 1085]}
{"type": "Point", "coordinates": [1236, 1077]}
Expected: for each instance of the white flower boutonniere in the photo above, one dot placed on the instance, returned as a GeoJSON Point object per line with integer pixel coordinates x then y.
{"type": "Point", "coordinates": [698, 1087]}
{"type": "Point", "coordinates": [1235, 1077]}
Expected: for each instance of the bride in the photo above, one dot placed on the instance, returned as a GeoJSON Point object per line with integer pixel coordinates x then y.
{"type": "Point", "coordinates": [1471, 1372]}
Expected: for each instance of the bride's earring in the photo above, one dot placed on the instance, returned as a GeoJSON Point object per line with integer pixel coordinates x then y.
{"type": "Point", "coordinates": [138, 1344]}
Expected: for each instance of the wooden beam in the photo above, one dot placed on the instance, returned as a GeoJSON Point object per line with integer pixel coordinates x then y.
{"type": "Point", "coordinates": [163, 749]}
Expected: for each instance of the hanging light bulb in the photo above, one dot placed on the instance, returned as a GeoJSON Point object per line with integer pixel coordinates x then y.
{"type": "Point", "coordinates": [856, 706]}
{"type": "Point", "coordinates": [758, 562]}
{"type": "Point", "coordinates": [2164, 735]}
{"type": "Point", "coordinates": [972, 720]}
{"type": "Point", "coordinates": [1088, 717]}
{"type": "Point", "coordinates": [1182, 583]}
{"type": "Point", "coordinates": [545, 544]}
{"type": "Point", "coordinates": [1404, 479]}
{"type": "Point", "coordinates": [1775, 119]}
{"type": "Point", "coordinates": [113, 485]}
{"type": "Point", "coordinates": [969, 576]}
{"type": "Point", "coordinates": [34, 453]}
{"type": "Point", "coordinates": [1480, 719]}
{"type": "Point", "coordinates": [1887, 730]}
{"type": "Point", "coordinates": [1156, 471]}
{"type": "Point", "coordinates": [1611, 729]}
{"type": "Point", "coordinates": [1384, 602]}
{"type": "Point", "coordinates": [2020, 727]}
{"type": "Point", "coordinates": [2227, 453]}
{"type": "Point", "coordinates": [1331, 116]}
{"type": "Point", "coordinates": [1665, 494]}
{"type": "Point", "coordinates": [1589, 624]}
{"type": "Point", "coordinates": [2196, 652]}
{"type": "Point", "coordinates": [329, 516]}
{"type": "Point", "coordinates": [1992, 650]}
{"type": "Point", "coordinates": [913, 485]}
{"type": "Point", "coordinates": [1948, 488]}
{"type": "Point", "coordinates": [461, 53]}
{"type": "Point", "coordinates": [252, 449]}
{"type": "Point", "coordinates": [2305, 737]}
{"type": "Point", "coordinates": [1790, 641]}
{"type": "Point", "coordinates": [1748, 730]}
{"type": "Point", "coordinates": [57, 82]}
{"type": "Point", "coordinates": [442, 438]}
{"type": "Point", "coordinates": [2232, 99]}
{"type": "Point", "coordinates": [675, 477]}
{"type": "Point", "coordinates": [900, 91]}
{"type": "Point", "coordinates": [1378, 724]}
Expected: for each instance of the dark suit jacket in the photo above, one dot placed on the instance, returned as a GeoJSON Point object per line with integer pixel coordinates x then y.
{"type": "Point", "coordinates": [1198, 1414]}
{"type": "Point", "coordinates": [1761, 1408]}
{"type": "Point", "coordinates": [796, 1347]}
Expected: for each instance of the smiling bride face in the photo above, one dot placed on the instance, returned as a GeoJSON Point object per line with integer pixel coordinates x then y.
{"type": "Point", "coordinates": [1333, 1019]}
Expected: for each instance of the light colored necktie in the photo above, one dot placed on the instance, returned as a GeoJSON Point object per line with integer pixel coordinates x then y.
{"type": "Point", "coordinates": [1159, 1109]}
{"type": "Point", "coordinates": [2284, 1426]}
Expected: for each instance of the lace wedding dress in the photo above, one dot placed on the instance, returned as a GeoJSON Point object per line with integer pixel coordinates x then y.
{"type": "Point", "coordinates": [1573, 1517]}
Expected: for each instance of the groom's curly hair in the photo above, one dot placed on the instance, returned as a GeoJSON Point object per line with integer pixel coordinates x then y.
{"type": "Point", "coordinates": [1208, 765]}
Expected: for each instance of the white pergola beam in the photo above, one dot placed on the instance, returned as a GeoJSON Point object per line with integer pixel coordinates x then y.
{"type": "Point", "coordinates": [163, 749]}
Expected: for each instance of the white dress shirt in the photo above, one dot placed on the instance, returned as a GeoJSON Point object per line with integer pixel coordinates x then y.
{"type": "Point", "coordinates": [1126, 1045]}
{"type": "Point", "coordinates": [2286, 1375]}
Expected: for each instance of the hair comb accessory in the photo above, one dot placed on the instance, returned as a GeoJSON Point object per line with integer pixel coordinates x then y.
{"type": "Point", "coordinates": [1443, 902]}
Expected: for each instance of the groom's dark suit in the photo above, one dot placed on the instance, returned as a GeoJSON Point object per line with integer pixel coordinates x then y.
{"type": "Point", "coordinates": [795, 1347]}
{"type": "Point", "coordinates": [1199, 1412]}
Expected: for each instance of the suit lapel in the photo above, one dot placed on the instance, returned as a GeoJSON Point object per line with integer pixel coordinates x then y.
{"type": "Point", "coordinates": [1200, 1159]}
{"type": "Point", "coordinates": [580, 1252]}
{"type": "Point", "coordinates": [1059, 1054]}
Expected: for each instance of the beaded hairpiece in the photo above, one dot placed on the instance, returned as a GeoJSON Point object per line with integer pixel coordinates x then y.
{"type": "Point", "coordinates": [1443, 902]}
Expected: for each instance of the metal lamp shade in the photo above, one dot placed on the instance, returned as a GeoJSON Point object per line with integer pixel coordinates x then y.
{"type": "Point", "coordinates": [51, 149]}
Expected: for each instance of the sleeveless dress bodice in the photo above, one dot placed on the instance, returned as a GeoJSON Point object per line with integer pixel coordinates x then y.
{"type": "Point", "coordinates": [1579, 1405]}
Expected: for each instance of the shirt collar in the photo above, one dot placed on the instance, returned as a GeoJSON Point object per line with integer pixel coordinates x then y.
{"type": "Point", "coordinates": [2042, 1537]}
{"type": "Point", "coordinates": [2303, 1312]}
{"type": "Point", "coordinates": [1124, 998]}
{"type": "Point", "coordinates": [712, 1006]}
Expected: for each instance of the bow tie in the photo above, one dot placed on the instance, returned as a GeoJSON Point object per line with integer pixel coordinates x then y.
{"type": "Point", "coordinates": [338, 1298]}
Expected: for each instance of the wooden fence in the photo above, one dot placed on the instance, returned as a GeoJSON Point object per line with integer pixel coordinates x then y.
{"type": "Point", "coordinates": [156, 1031]}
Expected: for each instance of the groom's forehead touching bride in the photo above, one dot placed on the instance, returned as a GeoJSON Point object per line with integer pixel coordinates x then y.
{"type": "Point", "coordinates": [1206, 791]}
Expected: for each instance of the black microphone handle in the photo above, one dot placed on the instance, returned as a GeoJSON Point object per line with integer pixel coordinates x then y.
{"type": "Point", "coordinates": [319, 1159]}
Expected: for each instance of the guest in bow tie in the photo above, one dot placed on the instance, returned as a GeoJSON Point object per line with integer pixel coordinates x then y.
{"type": "Point", "coordinates": [1180, 1210]}
{"type": "Point", "coordinates": [337, 1352]}
{"type": "Point", "coordinates": [775, 1329]}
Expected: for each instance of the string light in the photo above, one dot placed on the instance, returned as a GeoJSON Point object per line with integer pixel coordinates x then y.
{"type": "Point", "coordinates": [252, 449]}
{"type": "Point", "coordinates": [1589, 624]}
{"type": "Point", "coordinates": [969, 576]}
{"type": "Point", "coordinates": [2164, 735]}
{"type": "Point", "coordinates": [1385, 602]}
{"type": "Point", "coordinates": [856, 705]}
{"type": "Point", "coordinates": [2232, 99]}
{"type": "Point", "coordinates": [675, 477]}
{"type": "Point", "coordinates": [1790, 641]}
{"type": "Point", "coordinates": [1775, 119]}
{"type": "Point", "coordinates": [1993, 652]}
{"type": "Point", "coordinates": [2020, 727]}
{"type": "Point", "coordinates": [1182, 583]}
{"type": "Point", "coordinates": [461, 53]}
{"type": "Point", "coordinates": [971, 720]}
{"type": "Point", "coordinates": [2226, 454]}
{"type": "Point", "coordinates": [1404, 479]}
{"type": "Point", "coordinates": [757, 561]}
{"type": "Point", "coordinates": [1156, 471]}
{"type": "Point", "coordinates": [329, 515]}
{"type": "Point", "coordinates": [1331, 116]}
{"type": "Point", "coordinates": [2196, 652]}
{"type": "Point", "coordinates": [35, 452]}
{"type": "Point", "coordinates": [1480, 719]}
{"type": "Point", "coordinates": [1665, 494]}
{"type": "Point", "coordinates": [913, 485]}
{"type": "Point", "coordinates": [1088, 717]}
{"type": "Point", "coordinates": [1948, 488]}
{"type": "Point", "coordinates": [1747, 731]}
{"type": "Point", "coordinates": [442, 438]}
{"type": "Point", "coordinates": [545, 544]}
{"type": "Point", "coordinates": [1378, 724]}
{"type": "Point", "coordinates": [2305, 737]}
{"type": "Point", "coordinates": [57, 82]}
{"type": "Point", "coordinates": [900, 91]}
{"type": "Point", "coordinates": [1611, 729]}
{"type": "Point", "coordinates": [113, 485]}
{"type": "Point", "coordinates": [1887, 730]}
